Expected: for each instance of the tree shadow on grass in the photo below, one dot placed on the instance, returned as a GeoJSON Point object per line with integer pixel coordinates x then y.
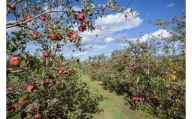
{"type": "Point", "coordinates": [83, 110]}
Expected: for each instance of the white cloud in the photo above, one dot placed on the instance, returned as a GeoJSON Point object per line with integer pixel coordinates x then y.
{"type": "Point", "coordinates": [81, 54]}
{"type": "Point", "coordinates": [76, 8]}
{"type": "Point", "coordinates": [31, 47]}
{"type": "Point", "coordinates": [163, 33]}
{"type": "Point", "coordinates": [106, 23]}
{"type": "Point", "coordinates": [109, 39]}
{"type": "Point", "coordinates": [107, 54]}
{"type": "Point", "coordinates": [45, 7]}
{"type": "Point", "coordinates": [13, 29]}
{"type": "Point", "coordinates": [170, 5]}
{"type": "Point", "coordinates": [123, 44]}
{"type": "Point", "coordinates": [97, 47]}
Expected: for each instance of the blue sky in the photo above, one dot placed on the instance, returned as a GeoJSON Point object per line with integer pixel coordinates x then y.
{"type": "Point", "coordinates": [113, 38]}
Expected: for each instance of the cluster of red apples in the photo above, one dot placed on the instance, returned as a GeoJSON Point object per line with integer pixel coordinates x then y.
{"type": "Point", "coordinates": [14, 61]}
{"type": "Point", "coordinates": [41, 17]}
{"type": "Point", "coordinates": [81, 17]}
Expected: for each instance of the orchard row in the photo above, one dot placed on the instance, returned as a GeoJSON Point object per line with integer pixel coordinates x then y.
{"type": "Point", "coordinates": [142, 78]}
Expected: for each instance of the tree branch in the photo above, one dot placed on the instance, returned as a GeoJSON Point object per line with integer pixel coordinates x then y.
{"type": "Point", "coordinates": [18, 24]}
{"type": "Point", "coordinates": [13, 6]}
{"type": "Point", "coordinates": [29, 29]}
{"type": "Point", "coordinates": [10, 25]}
{"type": "Point", "coordinates": [23, 107]}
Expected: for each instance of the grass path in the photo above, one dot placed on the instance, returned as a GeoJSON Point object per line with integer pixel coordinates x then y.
{"type": "Point", "coordinates": [113, 105]}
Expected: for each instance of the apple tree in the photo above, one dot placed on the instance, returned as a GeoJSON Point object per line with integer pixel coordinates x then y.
{"type": "Point", "coordinates": [148, 82]}
{"type": "Point", "coordinates": [45, 85]}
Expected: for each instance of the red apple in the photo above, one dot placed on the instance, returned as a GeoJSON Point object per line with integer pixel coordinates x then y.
{"type": "Point", "coordinates": [45, 28]}
{"type": "Point", "coordinates": [37, 116]}
{"type": "Point", "coordinates": [28, 17]}
{"type": "Point", "coordinates": [40, 16]}
{"type": "Point", "coordinates": [153, 92]}
{"type": "Point", "coordinates": [24, 87]}
{"type": "Point", "coordinates": [53, 36]}
{"type": "Point", "coordinates": [144, 50]}
{"type": "Point", "coordinates": [76, 90]}
{"type": "Point", "coordinates": [46, 54]}
{"type": "Point", "coordinates": [62, 44]}
{"type": "Point", "coordinates": [126, 55]}
{"type": "Point", "coordinates": [23, 114]}
{"type": "Point", "coordinates": [69, 33]}
{"type": "Point", "coordinates": [26, 98]}
{"type": "Point", "coordinates": [52, 83]}
{"type": "Point", "coordinates": [35, 36]}
{"type": "Point", "coordinates": [37, 8]}
{"type": "Point", "coordinates": [155, 97]}
{"type": "Point", "coordinates": [45, 84]}
{"type": "Point", "coordinates": [22, 103]}
{"type": "Point", "coordinates": [33, 109]}
{"type": "Point", "coordinates": [81, 17]}
{"type": "Point", "coordinates": [60, 72]}
{"type": "Point", "coordinates": [10, 89]}
{"type": "Point", "coordinates": [14, 61]}
{"type": "Point", "coordinates": [59, 49]}
{"type": "Point", "coordinates": [30, 88]}
{"type": "Point", "coordinates": [74, 36]}
{"type": "Point", "coordinates": [59, 37]}
{"type": "Point", "coordinates": [50, 77]}
{"type": "Point", "coordinates": [58, 68]}
{"type": "Point", "coordinates": [13, 7]}
{"type": "Point", "coordinates": [43, 18]}
{"type": "Point", "coordinates": [11, 109]}
{"type": "Point", "coordinates": [21, 20]}
{"type": "Point", "coordinates": [80, 28]}
{"type": "Point", "coordinates": [83, 24]}
{"type": "Point", "coordinates": [69, 73]}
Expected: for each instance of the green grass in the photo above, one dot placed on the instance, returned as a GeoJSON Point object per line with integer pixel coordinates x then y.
{"type": "Point", "coordinates": [111, 111]}
{"type": "Point", "coordinates": [113, 105]}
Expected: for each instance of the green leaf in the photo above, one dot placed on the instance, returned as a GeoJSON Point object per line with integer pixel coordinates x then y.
{"type": "Point", "coordinates": [10, 69]}
{"type": "Point", "coordinates": [21, 99]}
{"type": "Point", "coordinates": [47, 61]}
{"type": "Point", "coordinates": [13, 45]}
{"type": "Point", "coordinates": [42, 71]}
{"type": "Point", "coordinates": [16, 78]}
{"type": "Point", "coordinates": [36, 59]}
{"type": "Point", "coordinates": [22, 63]}
{"type": "Point", "coordinates": [126, 17]}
